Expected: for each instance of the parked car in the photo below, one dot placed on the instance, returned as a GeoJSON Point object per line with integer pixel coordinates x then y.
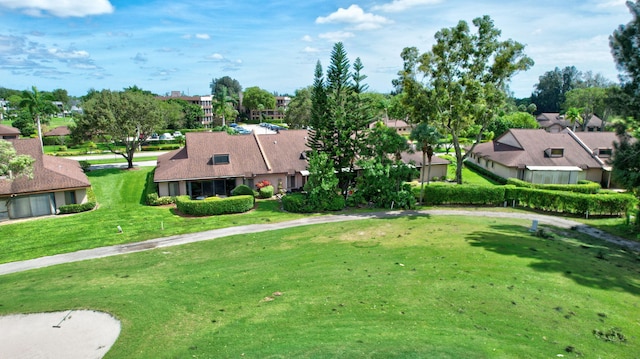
{"type": "Point", "coordinates": [177, 134]}
{"type": "Point", "coordinates": [166, 136]}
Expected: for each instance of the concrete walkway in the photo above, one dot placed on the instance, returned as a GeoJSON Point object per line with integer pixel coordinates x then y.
{"type": "Point", "coordinates": [102, 252]}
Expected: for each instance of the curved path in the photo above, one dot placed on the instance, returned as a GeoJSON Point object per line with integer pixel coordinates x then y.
{"type": "Point", "coordinates": [101, 252]}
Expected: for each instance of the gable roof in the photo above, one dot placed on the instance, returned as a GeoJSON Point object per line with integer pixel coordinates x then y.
{"type": "Point", "coordinates": [249, 155]}
{"type": "Point", "coordinates": [548, 119]}
{"type": "Point", "coordinates": [533, 149]}
{"type": "Point", "coordinates": [9, 131]}
{"type": "Point", "coordinates": [58, 131]}
{"type": "Point", "coordinates": [49, 173]}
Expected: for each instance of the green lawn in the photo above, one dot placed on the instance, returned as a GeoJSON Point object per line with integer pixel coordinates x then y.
{"type": "Point", "coordinates": [119, 195]}
{"type": "Point", "coordinates": [410, 287]}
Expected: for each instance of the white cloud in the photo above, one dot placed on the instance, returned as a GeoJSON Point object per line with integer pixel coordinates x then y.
{"type": "Point", "coordinates": [610, 3]}
{"type": "Point", "coordinates": [67, 8]}
{"type": "Point", "coordinates": [354, 15]}
{"type": "Point", "coordinates": [307, 38]}
{"type": "Point", "coordinates": [336, 36]}
{"type": "Point", "coordinates": [203, 36]}
{"type": "Point", "coordinates": [216, 57]}
{"type": "Point", "coordinates": [402, 5]}
{"type": "Point", "coordinates": [310, 49]}
{"type": "Point", "coordinates": [70, 54]}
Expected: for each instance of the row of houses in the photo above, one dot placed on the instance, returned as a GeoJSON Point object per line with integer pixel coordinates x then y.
{"type": "Point", "coordinates": [213, 163]}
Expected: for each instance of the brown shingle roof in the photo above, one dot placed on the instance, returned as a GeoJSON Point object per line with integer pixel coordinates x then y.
{"type": "Point", "coordinates": [58, 131]}
{"type": "Point", "coordinates": [548, 119]}
{"type": "Point", "coordinates": [8, 131]}
{"type": "Point", "coordinates": [534, 143]}
{"type": "Point", "coordinates": [49, 173]}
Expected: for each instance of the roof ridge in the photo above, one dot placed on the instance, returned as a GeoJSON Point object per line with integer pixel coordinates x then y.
{"type": "Point", "coordinates": [262, 153]}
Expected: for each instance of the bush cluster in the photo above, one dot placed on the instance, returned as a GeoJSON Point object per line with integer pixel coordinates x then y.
{"type": "Point", "coordinates": [77, 208]}
{"type": "Point", "coordinates": [166, 147]}
{"type": "Point", "coordinates": [214, 205]}
{"type": "Point", "coordinates": [266, 191]}
{"type": "Point", "coordinates": [243, 190]}
{"type": "Point", "coordinates": [300, 203]}
{"type": "Point", "coordinates": [581, 187]}
{"type": "Point", "coordinates": [439, 193]}
{"type": "Point", "coordinates": [542, 199]}
{"type": "Point", "coordinates": [151, 193]}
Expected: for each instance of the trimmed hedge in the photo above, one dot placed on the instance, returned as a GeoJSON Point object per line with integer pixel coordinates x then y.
{"type": "Point", "coordinates": [243, 190]}
{"type": "Point", "coordinates": [572, 202]}
{"type": "Point", "coordinates": [299, 203]}
{"type": "Point", "coordinates": [266, 192]}
{"type": "Point", "coordinates": [438, 193]}
{"type": "Point", "coordinates": [607, 203]}
{"type": "Point", "coordinates": [581, 187]}
{"type": "Point", "coordinates": [83, 207]}
{"type": "Point", "coordinates": [214, 205]}
{"type": "Point", "coordinates": [151, 193]}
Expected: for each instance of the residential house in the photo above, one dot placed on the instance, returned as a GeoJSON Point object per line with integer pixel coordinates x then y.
{"type": "Point", "coordinates": [439, 165]}
{"type": "Point", "coordinates": [56, 182]}
{"type": "Point", "coordinates": [57, 132]}
{"type": "Point", "coordinates": [555, 122]}
{"type": "Point", "coordinates": [538, 156]}
{"type": "Point", "coordinates": [213, 163]}
{"type": "Point", "coordinates": [8, 132]}
{"type": "Point", "coordinates": [401, 126]}
{"type": "Point", "coordinates": [205, 102]}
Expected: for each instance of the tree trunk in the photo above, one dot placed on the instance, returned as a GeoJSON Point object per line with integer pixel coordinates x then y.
{"type": "Point", "coordinates": [424, 154]}
{"type": "Point", "coordinates": [459, 158]}
{"type": "Point", "coordinates": [40, 133]}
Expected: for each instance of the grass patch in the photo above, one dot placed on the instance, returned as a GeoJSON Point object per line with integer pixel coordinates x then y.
{"type": "Point", "coordinates": [416, 286]}
{"type": "Point", "coordinates": [119, 194]}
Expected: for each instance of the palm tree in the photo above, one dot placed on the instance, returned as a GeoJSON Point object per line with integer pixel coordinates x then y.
{"type": "Point", "coordinates": [37, 106]}
{"type": "Point", "coordinates": [426, 136]}
{"type": "Point", "coordinates": [573, 114]}
{"type": "Point", "coordinates": [222, 99]}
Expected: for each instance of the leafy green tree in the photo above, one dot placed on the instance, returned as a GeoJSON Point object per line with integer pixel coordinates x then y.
{"type": "Point", "coordinates": [512, 120]}
{"type": "Point", "coordinates": [23, 121]}
{"type": "Point", "coordinates": [574, 115]}
{"type": "Point", "coordinates": [223, 105]}
{"type": "Point", "coordinates": [13, 165]}
{"type": "Point", "coordinates": [383, 172]}
{"type": "Point", "coordinates": [38, 107]}
{"type": "Point", "coordinates": [232, 85]}
{"type": "Point", "coordinates": [172, 114]}
{"type": "Point", "coordinates": [625, 47]}
{"type": "Point", "coordinates": [466, 78]}
{"type": "Point", "coordinates": [626, 158]}
{"type": "Point", "coordinates": [255, 98]}
{"type": "Point", "coordinates": [127, 118]}
{"type": "Point", "coordinates": [591, 101]}
{"type": "Point", "coordinates": [426, 137]}
{"type": "Point", "coordinates": [322, 184]}
{"type": "Point", "coordinates": [552, 86]}
{"type": "Point", "coordinates": [298, 112]}
{"type": "Point", "coordinates": [339, 115]}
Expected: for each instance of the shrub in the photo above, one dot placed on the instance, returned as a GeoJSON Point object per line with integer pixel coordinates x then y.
{"type": "Point", "coordinates": [151, 193]}
{"type": "Point", "coordinates": [438, 193]}
{"type": "Point", "coordinates": [242, 190]}
{"type": "Point", "coordinates": [581, 187]}
{"type": "Point", "coordinates": [266, 191]}
{"type": "Point", "coordinates": [85, 165]}
{"type": "Point", "coordinates": [300, 203]}
{"type": "Point", "coordinates": [263, 183]}
{"type": "Point", "coordinates": [77, 208]}
{"type": "Point", "coordinates": [214, 206]}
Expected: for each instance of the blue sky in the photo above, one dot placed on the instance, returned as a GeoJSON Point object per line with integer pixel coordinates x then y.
{"type": "Point", "coordinates": [181, 45]}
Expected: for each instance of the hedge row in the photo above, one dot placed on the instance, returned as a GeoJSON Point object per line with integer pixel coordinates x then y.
{"type": "Point", "coordinates": [581, 187]}
{"type": "Point", "coordinates": [546, 200]}
{"type": "Point", "coordinates": [214, 205]}
{"type": "Point", "coordinates": [437, 193]}
{"type": "Point", "coordinates": [299, 203]}
{"type": "Point", "coordinates": [571, 202]}
{"type": "Point", "coordinates": [77, 208]}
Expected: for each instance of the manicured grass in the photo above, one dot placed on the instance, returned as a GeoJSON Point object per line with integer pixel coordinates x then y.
{"type": "Point", "coordinates": [119, 195]}
{"type": "Point", "coordinates": [410, 287]}
{"type": "Point", "coordinates": [120, 159]}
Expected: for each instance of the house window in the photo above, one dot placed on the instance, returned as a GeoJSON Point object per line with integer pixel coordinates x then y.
{"type": "Point", "coordinates": [221, 159]}
{"type": "Point", "coordinates": [605, 152]}
{"type": "Point", "coordinates": [70, 197]}
{"type": "Point", "coordinates": [174, 189]}
{"type": "Point", "coordinates": [554, 152]}
{"type": "Point", "coordinates": [292, 181]}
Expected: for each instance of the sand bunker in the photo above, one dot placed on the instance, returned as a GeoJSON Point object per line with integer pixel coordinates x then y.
{"type": "Point", "coordinates": [70, 334]}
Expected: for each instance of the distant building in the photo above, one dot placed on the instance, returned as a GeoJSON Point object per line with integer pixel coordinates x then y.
{"type": "Point", "coordinates": [282, 102]}
{"type": "Point", "coordinates": [205, 102]}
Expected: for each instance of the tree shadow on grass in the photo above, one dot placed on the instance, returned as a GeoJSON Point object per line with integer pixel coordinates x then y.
{"type": "Point", "coordinates": [584, 260]}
